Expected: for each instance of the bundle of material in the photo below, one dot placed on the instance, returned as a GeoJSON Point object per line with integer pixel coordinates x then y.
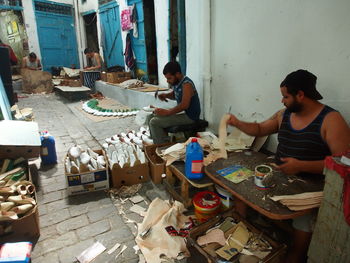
{"type": "Point", "coordinates": [131, 84]}
{"type": "Point", "coordinates": [16, 193]}
{"type": "Point", "coordinates": [153, 238]}
{"type": "Point", "coordinates": [300, 201]}
{"type": "Point", "coordinates": [177, 151]}
{"type": "Point", "coordinates": [80, 161]}
{"type": "Point", "coordinates": [127, 148]}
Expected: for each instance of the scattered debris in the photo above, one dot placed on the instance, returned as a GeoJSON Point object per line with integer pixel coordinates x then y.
{"type": "Point", "coordinates": [138, 210]}
{"type": "Point", "coordinates": [91, 253]}
{"type": "Point", "coordinates": [121, 251]}
{"type": "Point", "coordinates": [116, 246]}
{"type": "Point", "coordinates": [125, 191]}
{"type": "Point", "coordinates": [136, 199]}
{"type": "Point", "coordinates": [215, 235]}
{"type": "Point", "coordinates": [136, 248]}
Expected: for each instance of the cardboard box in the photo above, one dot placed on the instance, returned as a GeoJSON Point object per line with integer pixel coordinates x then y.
{"type": "Point", "coordinates": [104, 76]}
{"type": "Point", "coordinates": [127, 175]}
{"type": "Point", "coordinates": [25, 228]}
{"type": "Point", "coordinates": [116, 77]}
{"type": "Point", "coordinates": [156, 163]}
{"type": "Point", "coordinates": [88, 181]}
{"type": "Point", "coordinates": [19, 139]}
{"type": "Point", "coordinates": [276, 255]}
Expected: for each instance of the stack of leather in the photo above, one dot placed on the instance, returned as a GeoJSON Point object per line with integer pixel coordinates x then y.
{"type": "Point", "coordinates": [300, 201]}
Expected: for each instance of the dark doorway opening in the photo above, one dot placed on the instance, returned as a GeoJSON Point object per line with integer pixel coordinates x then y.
{"type": "Point", "coordinates": [177, 32]}
{"type": "Point", "coordinates": [151, 41]}
{"type": "Point", "coordinates": [91, 31]}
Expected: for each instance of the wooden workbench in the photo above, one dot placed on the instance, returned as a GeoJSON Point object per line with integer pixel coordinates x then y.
{"type": "Point", "coordinates": [258, 199]}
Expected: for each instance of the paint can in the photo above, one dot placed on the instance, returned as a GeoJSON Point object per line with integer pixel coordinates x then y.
{"type": "Point", "coordinates": [263, 174]}
{"type": "Point", "coordinates": [225, 196]}
{"type": "Point", "coordinates": [206, 205]}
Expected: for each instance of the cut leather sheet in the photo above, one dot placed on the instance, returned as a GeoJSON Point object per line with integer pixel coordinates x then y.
{"type": "Point", "coordinates": [213, 236]}
{"type": "Point", "coordinates": [300, 201]}
{"type": "Point", "coordinates": [153, 239]}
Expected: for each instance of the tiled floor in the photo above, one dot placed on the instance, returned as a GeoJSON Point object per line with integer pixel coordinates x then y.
{"type": "Point", "coordinates": [71, 224]}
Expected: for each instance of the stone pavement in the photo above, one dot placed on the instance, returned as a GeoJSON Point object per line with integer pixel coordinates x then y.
{"type": "Point", "coordinates": [68, 225]}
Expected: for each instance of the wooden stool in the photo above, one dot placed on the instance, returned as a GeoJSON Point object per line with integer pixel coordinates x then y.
{"type": "Point", "coordinates": [177, 171]}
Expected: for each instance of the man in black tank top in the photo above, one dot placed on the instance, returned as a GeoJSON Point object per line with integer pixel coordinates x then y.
{"type": "Point", "coordinates": [308, 131]}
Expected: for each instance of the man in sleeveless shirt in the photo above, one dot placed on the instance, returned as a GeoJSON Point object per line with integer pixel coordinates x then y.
{"type": "Point", "coordinates": [308, 131]}
{"type": "Point", "coordinates": [31, 62]}
{"type": "Point", "coordinates": [186, 96]}
{"type": "Point", "coordinates": [95, 66]}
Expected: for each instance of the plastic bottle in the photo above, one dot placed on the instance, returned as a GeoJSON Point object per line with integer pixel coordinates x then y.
{"type": "Point", "coordinates": [194, 160]}
{"type": "Point", "coordinates": [48, 148]}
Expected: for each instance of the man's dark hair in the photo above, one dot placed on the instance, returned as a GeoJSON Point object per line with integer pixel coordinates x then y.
{"type": "Point", "coordinates": [32, 55]}
{"type": "Point", "coordinates": [172, 68]}
{"type": "Point", "coordinates": [87, 50]}
{"type": "Point", "coordinates": [301, 80]}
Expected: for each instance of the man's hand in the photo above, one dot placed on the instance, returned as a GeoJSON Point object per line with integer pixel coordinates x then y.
{"type": "Point", "coordinates": [233, 121]}
{"type": "Point", "coordinates": [290, 165]}
{"type": "Point", "coordinates": [161, 112]}
{"type": "Point", "coordinates": [163, 97]}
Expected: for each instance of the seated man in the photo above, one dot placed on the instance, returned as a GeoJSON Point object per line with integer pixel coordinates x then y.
{"type": "Point", "coordinates": [31, 62]}
{"type": "Point", "coordinates": [186, 96]}
{"type": "Point", "coordinates": [308, 131]}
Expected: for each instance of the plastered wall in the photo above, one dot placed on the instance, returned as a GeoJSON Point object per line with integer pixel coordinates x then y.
{"type": "Point", "coordinates": [255, 44]}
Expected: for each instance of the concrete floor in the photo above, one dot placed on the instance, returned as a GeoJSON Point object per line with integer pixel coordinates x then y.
{"type": "Point", "coordinates": [69, 225]}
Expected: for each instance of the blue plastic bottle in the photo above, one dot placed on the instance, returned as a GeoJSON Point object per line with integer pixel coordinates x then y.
{"type": "Point", "coordinates": [194, 160]}
{"type": "Point", "coordinates": [48, 148]}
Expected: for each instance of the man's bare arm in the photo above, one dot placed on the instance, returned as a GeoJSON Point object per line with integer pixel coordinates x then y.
{"type": "Point", "coordinates": [187, 93]}
{"type": "Point", "coordinates": [267, 127]}
{"type": "Point", "coordinates": [336, 132]}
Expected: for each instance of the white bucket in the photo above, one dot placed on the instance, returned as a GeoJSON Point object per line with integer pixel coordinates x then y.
{"type": "Point", "coordinates": [225, 196]}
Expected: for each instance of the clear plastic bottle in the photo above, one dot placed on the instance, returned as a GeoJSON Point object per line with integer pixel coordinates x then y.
{"type": "Point", "coordinates": [194, 160]}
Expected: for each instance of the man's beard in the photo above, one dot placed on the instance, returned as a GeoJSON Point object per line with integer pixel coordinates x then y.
{"type": "Point", "coordinates": [295, 107]}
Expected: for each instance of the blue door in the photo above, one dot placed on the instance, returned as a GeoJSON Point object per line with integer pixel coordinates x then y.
{"type": "Point", "coordinates": [139, 44]}
{"type": "Point", "coordinates": [111, 35]}
{"type": "Point", "coordinates": [56, 31]}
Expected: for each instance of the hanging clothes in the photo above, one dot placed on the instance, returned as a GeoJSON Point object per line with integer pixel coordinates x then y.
{"type": "Point", "coordinates": [126, 19]}
{"type": "Point", "coordinates": [129, 54]}
{"type": "Point", "coordinates": [134, 21]}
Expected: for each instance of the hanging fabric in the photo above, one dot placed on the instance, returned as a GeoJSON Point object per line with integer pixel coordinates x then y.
{"type": "Point", "coordinates": [134, 21]}
{"type": "Point", "coordinates": [126, 20]}
{"type": "Point", "coordinates": [129, 54]}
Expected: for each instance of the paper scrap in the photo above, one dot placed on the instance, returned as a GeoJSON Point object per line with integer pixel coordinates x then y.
{"type": "Point", "coordinates": [138, 210]}
{"type": "Point", "coordinates": [136, 199]}
{"type": "Point", "coordinates": [136, 248]}
{"type": "Point", "coordinates": [121, 251]}
{"type": "Point", "coordinates": [91, 253]}
{"type": "Point", "coordinates": [116, 246]}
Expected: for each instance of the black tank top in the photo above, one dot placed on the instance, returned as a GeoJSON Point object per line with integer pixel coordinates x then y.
{"type": "Point", "coordinates": [306, 144]}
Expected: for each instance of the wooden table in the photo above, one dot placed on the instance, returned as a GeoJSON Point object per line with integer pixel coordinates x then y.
{"type": "Point", "coordinates": [177, 170]}
{"type": "Point", "coordinates": [258, 199]}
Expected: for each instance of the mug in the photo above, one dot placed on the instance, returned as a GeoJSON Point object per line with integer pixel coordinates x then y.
{"type": "Point", "coordinates": [262, 173]}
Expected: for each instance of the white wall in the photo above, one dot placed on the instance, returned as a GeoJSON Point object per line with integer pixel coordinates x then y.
{"type": "Point", "coordinates": [255, 44]}
{"type": "Point", "coordinates": [31, 29]}
{"type": "Point", "coordinates": [161, 12]}
{"type": "Point", "coordinates": [198, 50]}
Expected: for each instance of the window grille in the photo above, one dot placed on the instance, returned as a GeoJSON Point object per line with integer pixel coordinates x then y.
{"type": "Point", "coordinates": [53, 8]}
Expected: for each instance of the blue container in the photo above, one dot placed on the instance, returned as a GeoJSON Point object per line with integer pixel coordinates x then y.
{"type": "Point", "coordinates": [48, 149]}
{"type": "Point", "coordinates": [194, 160]}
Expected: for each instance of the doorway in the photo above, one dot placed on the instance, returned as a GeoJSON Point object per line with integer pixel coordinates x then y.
{"type": "Point", "coordinates": [177, 32]}
{"type": "Point", "coordinates": [91, 31]}
{"type": "Point", "coordinates": [151, 41]}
